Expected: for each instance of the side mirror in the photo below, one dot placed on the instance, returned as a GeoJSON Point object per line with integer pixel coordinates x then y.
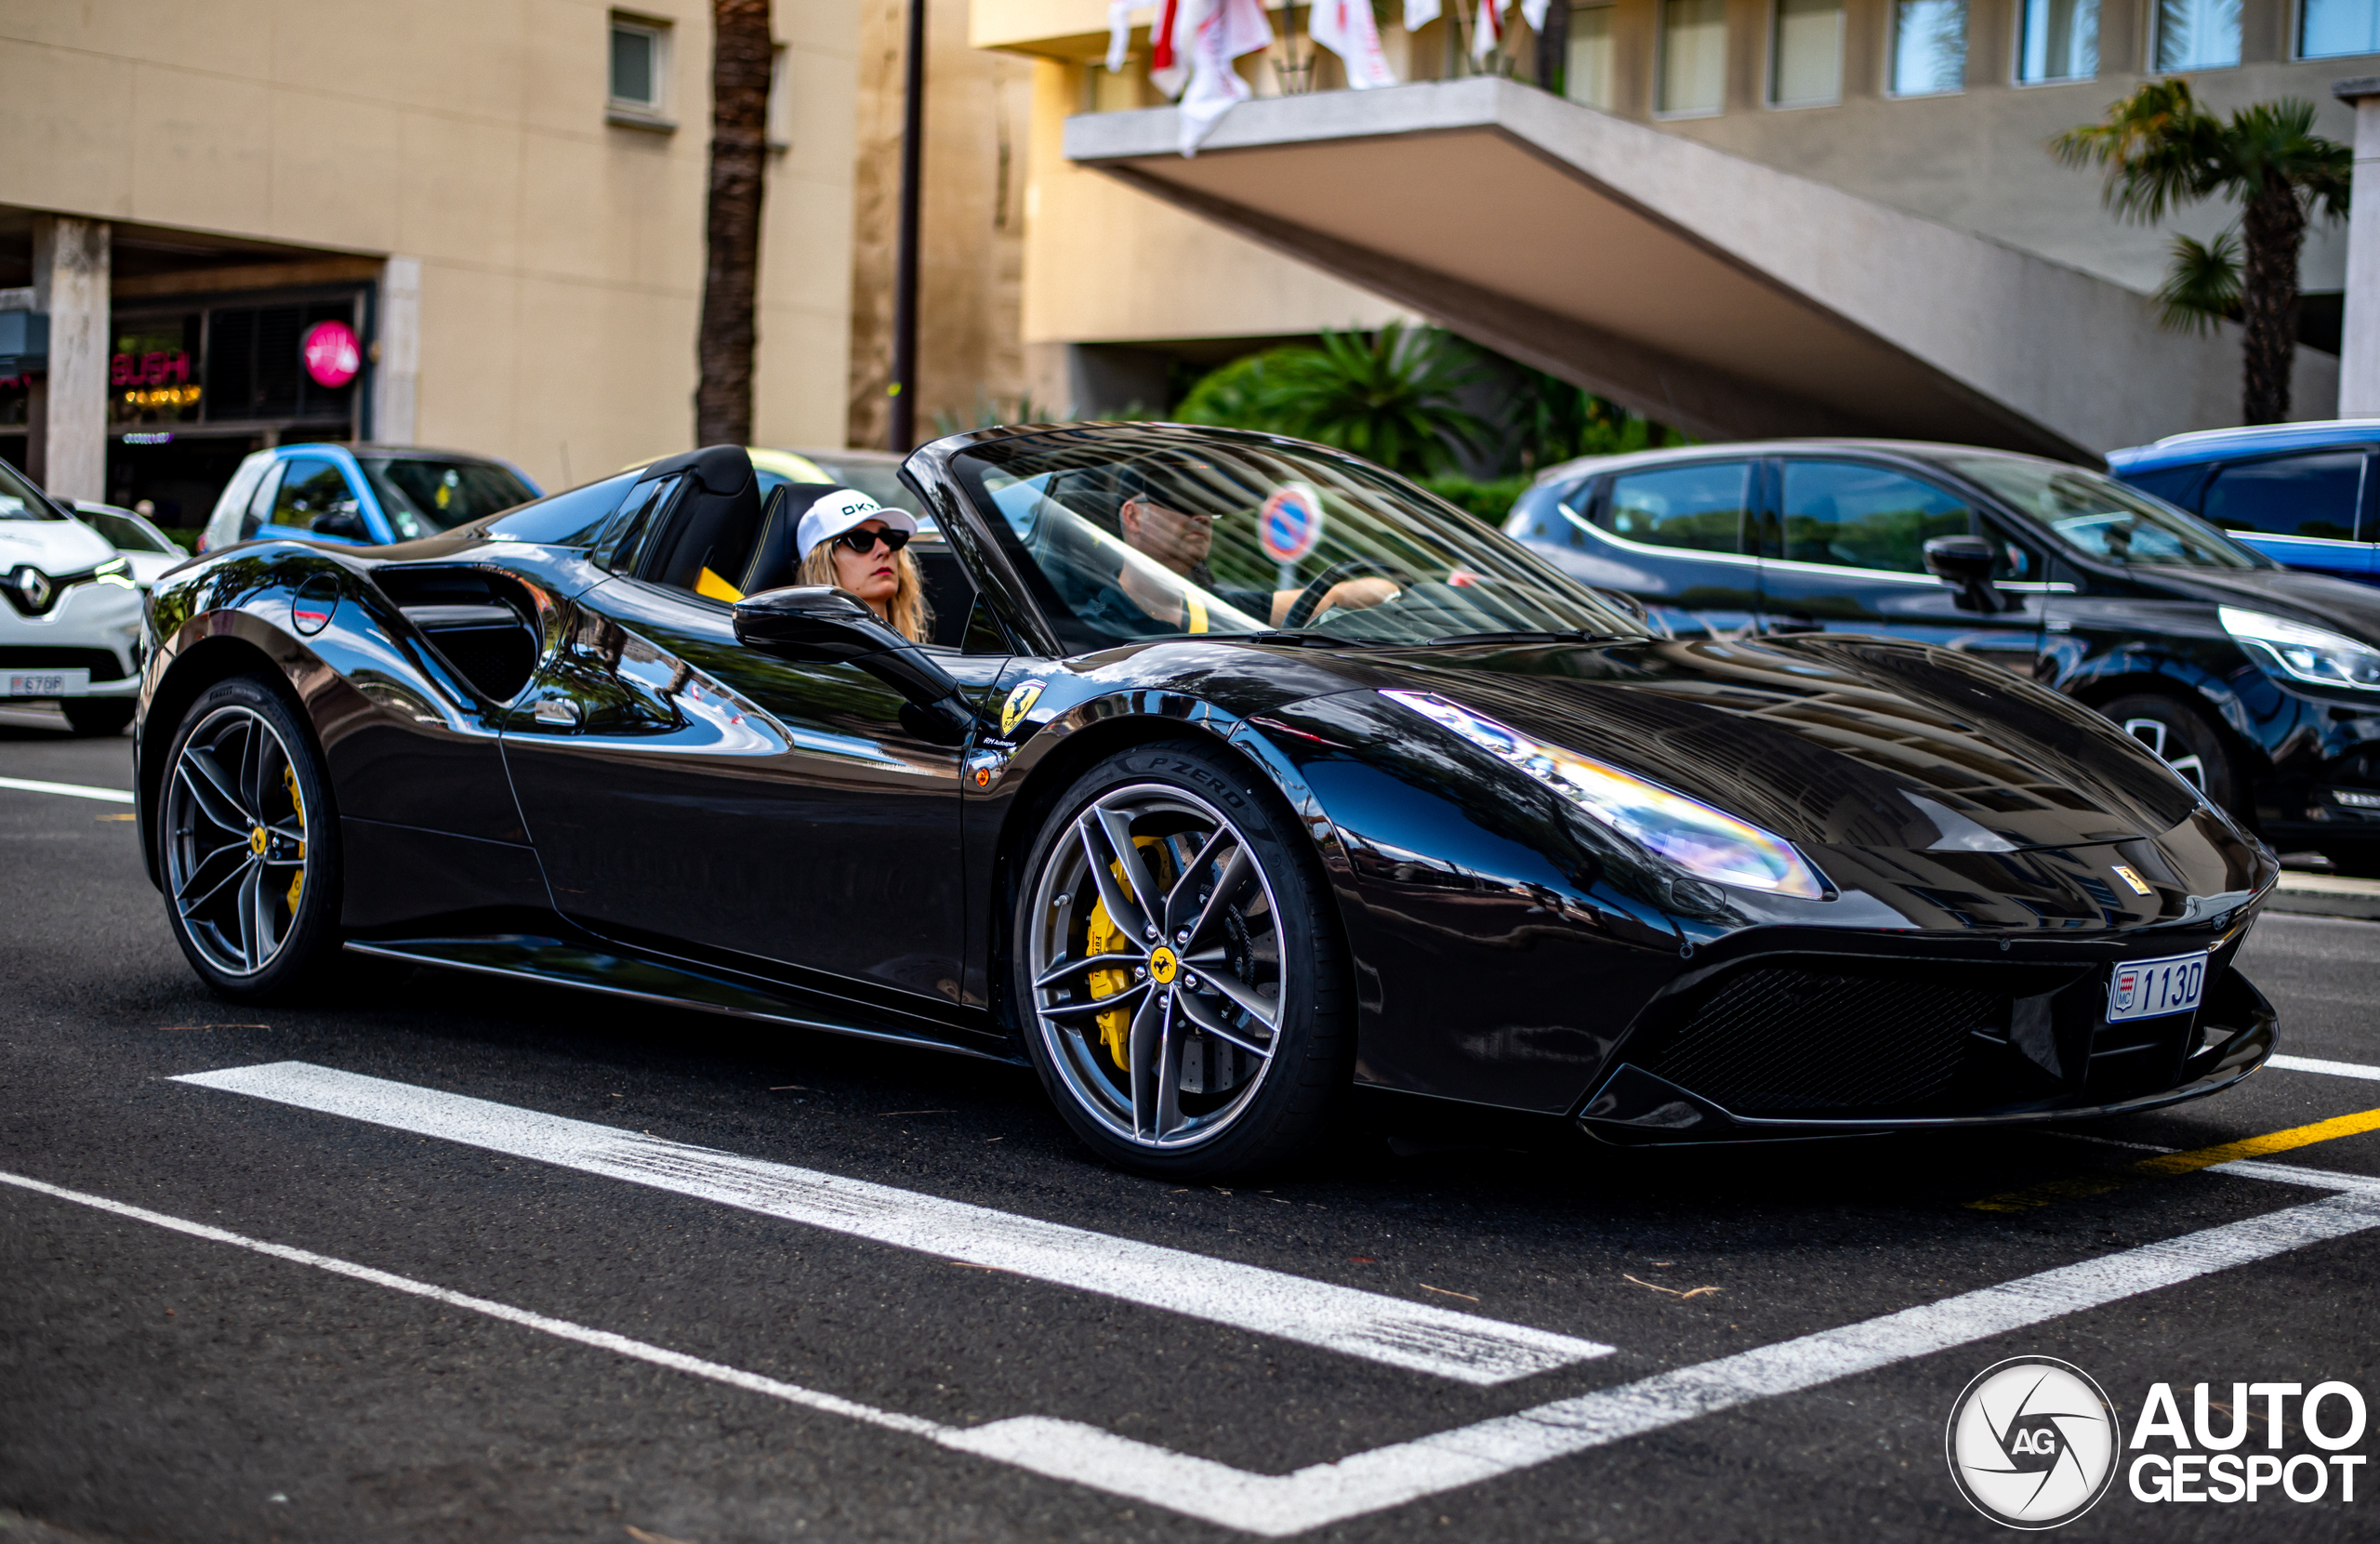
{"type": "Point", "coordinates": [1966, 562]}
{"type": "Point", "coordinates": [341, 520]}
{"type": "Point", "coordinates": [821, 624]}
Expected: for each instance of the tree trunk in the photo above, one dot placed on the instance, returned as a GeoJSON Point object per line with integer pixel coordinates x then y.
{"type": "Point", "coordinates": [741, 57]}
{"type": "Point", "coordinates": [2270, 235]}
{"type": "Point", "coordinates": [1553, 48]}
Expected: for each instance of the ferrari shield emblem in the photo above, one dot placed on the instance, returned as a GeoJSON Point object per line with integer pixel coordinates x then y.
{"type": "Point", "coordinates": [1020, 702]}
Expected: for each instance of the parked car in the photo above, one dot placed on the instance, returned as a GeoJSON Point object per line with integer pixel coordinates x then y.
{"type": "Point", "coordinates": [1261, 773]}
{"type": "Point", "coordinates": [2301, 493]}
{"type": "Point", "coordinates": [70, 630]}
{"type": "Point", "coordinates": [149, 550]}
{"type": "Point", "coordinates": [360, 496]}
{"type": "Point", "coordinates": [2259, 685]}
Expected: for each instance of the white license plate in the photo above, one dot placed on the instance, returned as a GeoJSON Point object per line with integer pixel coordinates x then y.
{"type": "Point", "coordinates": [45, 684]}
{"type": "Point", "coordinates": [2152, 988]}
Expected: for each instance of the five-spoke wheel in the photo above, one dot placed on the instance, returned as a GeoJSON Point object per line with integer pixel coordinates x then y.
{"type": "Point", "coordinates": [1179, 981]}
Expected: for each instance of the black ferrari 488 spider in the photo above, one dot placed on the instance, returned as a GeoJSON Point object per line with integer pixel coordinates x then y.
{"type": "Point", "coordinates": [1231, 773]}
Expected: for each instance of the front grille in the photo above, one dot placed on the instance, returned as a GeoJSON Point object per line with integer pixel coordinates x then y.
{"type": "Point", "coordinates": [102, 664]}
{"type": "Point", "coordinates": [1785, 1041]}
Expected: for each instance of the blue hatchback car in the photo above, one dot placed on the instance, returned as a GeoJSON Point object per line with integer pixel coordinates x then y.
{"type": "Point", "coordinates": [360, 496]}
{"type": "Point", "coordinates": [2304, 494]}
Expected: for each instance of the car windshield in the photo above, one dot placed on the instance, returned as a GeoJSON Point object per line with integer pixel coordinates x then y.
{"type": "Point", "coordinates": [425, 495]}
{"type": "Point", "coordinates": [123, 533]}
{"type": "Point", "coordinates": [1136, 533]}
{"type": "Point", "coordinates": [2104, 519]}
{"type": "Point", "coordinates": [18, 500]}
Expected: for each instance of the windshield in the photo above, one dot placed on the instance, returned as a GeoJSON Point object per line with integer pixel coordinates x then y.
{"type": "Point", "coordinates": [1138, 532]}
{"type": "Point", "coordinates": [18, 500]}
{"type": "Point", "coordinates": [2104, 519]}
{"type": "Point", "coordinates": [123, 533]}
{"type": "Point", "coordinates": [425, 495]}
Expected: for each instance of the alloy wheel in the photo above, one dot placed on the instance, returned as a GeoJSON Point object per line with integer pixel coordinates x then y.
{"type": "Point", "coordinates": [236, 839]}
{"type": "Point", "coordinates": [2159, 735]}
{"type": "Point", "coordinates": [1159, 966]}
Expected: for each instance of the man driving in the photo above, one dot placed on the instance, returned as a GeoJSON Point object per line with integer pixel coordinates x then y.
{"type": "Point", "coordinates": [1179, 541]}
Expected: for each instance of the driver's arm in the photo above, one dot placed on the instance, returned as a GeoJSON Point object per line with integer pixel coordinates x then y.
{"type": "Point", "coordinates": [1353, 594]}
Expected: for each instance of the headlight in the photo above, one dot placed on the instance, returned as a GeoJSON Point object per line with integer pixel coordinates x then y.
{"type": "Point", "coordinates": [2304, 653]}
{"type": "Point", "coordinates": [1708, 843]}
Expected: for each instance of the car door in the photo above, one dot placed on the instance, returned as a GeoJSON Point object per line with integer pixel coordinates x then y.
{"type": "Point", "coordinates": [314, 501]}
{"type": "Point", "coordinates": [685, 792]}
{"type": "Point", "coordinates": [1669, 534]}
{"type": "Point", "coordinates": [1842, 545]}
{"type": "Point", "coordinates": [2310, 510]}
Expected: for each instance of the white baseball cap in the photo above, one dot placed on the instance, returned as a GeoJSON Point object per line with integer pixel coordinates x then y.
{"type": "Point", "coordinates": [846, 510]}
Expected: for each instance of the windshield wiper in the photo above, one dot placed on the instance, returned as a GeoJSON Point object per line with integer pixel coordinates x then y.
{"type": "Point", "coordinates": [1573, 635]}
{"type": "Point", "coordinates": [1306, 639]}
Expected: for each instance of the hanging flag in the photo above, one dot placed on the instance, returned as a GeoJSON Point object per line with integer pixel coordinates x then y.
{"type": "Point", "coordinates": [1120, 35]}
{"type": "Point", "coordinates": [1420, 14]}
{"type": "Point", "coordinates": [1533, 11]}
{"type": "Point", "coordinates": [1217, 32]}
{"type": "Point", "coordinates": [1167, 71]}
{"type": "Point", "coordinates": [1488, 31]}
{"type": "Point", "coordinates": [1346, 28]}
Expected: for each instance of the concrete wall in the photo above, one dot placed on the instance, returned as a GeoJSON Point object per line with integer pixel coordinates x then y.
{"type": "Point", "coordinates": [561, 257]}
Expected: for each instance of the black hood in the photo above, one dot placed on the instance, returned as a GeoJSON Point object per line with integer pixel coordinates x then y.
{"type": "Point", "coordinates": [1841, 741]}
{"type": "Point", "coordinates": [2341, 605]}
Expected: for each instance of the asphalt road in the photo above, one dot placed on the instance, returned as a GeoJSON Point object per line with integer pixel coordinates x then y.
{"type": "Point", "coordinates": [637, 1359]}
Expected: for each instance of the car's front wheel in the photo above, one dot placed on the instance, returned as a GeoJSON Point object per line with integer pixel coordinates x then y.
{"type": "Point", "coordinates": [1178, 968]}
{"type": "Point", "coordinates": [2185, 739]}
{"type": "Point", "coordinates": [248, 844]}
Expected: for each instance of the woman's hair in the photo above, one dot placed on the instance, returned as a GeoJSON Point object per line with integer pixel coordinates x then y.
{"type": "Point", "coordinates": [907, 613]}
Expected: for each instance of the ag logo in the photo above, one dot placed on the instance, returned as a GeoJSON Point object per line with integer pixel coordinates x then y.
{"type": "Point", "coordinates": [1020, 702]}
{"type": "Point", "coordinates": [2033, 1443]}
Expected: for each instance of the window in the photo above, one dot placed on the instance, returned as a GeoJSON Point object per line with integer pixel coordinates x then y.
{"type": "Point", "coordinates": [2059, 41]}
{"type": "Point", "coordinates": [1587, 78]}
{"type": "Point", "coordinates": [1929, 48]}
{"type": "Point", "coordinates": [314, 491]}
{"type": "Point", "coordinates": [1805, 53]}
{"type": "Point", "coordinates": [2328, 29]}
{"type": "Point", "coordinates": [2198, 35]}
{"type": "Point", "coordinates": [423, 494]}
{"type": "Point", "coordinates": [1856, 516]}
{"type": "Point", "coordinates": [1700, 507]}
{"type": "Point", "coordinates": [639, 66]}
{"type": "Point", "coordinates": [1693, 56]}
{"type": "Point", "coordinates": [2293, 496]}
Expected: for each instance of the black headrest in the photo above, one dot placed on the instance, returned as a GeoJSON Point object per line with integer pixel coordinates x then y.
{"type": "Point", "coordinates": [776, 557]}
{"type": "Point", "coordinates": [715, 521]}
{"type": "Point", "coordinates": [720, 468]}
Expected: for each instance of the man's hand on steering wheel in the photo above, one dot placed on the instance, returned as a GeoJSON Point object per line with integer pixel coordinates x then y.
{"type": "Point", "coordinates": [1342, 585]}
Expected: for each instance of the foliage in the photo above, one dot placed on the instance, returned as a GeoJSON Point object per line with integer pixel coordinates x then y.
{"type": "Point", "coordinates": [1491, 501]}
{"type": "Point", "coordinates": [1390, 396]}
{"type": "Point", "coordinates": [1550, 420]}
{"type": "Point", "coordinates": [2162, 151]}
{"type": "Point", "coordinates": [991, 412]}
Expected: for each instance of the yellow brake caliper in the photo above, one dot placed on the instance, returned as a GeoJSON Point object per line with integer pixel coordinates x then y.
{"type": "Point", "coordinates": [1102, 936]}
{"type": "Point", "coordinates": [297, 880]}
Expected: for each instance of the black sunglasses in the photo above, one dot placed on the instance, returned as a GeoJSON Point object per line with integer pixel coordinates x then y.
{"type": "Point", "coordinates": [864, 542]}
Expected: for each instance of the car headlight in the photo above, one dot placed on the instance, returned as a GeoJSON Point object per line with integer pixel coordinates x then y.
{"type": "Point", "coordinates": [2304, 653]}
{"type": "Point", "coordinates": [1708, 843]}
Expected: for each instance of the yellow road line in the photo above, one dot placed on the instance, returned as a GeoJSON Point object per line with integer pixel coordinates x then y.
{"type": "Point", "coordinates": [2179, 1163]}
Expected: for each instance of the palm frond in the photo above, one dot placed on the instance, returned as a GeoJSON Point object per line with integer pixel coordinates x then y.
{"type": "Point", "coordinates": [2202, 285]}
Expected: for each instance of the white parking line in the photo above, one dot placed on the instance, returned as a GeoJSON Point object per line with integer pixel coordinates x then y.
{"type": "Point", "coordinates": [1278, 1505]}
{"type": "Point", "coordinates": [2335, 1069]}
{"type": "Point", "coordinates": [1419, 1337]}
{"type": "Point", "coordinates": [75, 790]}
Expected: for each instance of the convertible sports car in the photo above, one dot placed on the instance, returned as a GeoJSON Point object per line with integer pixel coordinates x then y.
{"type": "Point", "coordinates": [1246, 773]}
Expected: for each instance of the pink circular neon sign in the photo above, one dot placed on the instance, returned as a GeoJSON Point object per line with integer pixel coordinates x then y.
{"type": "Point", "coordinates": [333, 353]}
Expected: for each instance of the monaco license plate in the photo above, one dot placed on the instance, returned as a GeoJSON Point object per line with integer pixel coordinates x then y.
{"type": "Point", "coordinates": [45, 684]}
{"type": "Point", "coordinates": [2151, 988]}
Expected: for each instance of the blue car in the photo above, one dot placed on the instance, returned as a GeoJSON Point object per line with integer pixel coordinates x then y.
{"type": "Point", "coordinates": [2303, 494]}
{"type": "Point", "coordinates": [360, 496]}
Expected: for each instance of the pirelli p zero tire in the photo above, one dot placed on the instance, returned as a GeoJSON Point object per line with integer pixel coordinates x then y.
{"type": "Point", "coordinates": [248, 844]}
{"type": "Point", "coordinates": [2185, 738]}
{"type": "Point", "coordinates": [1178, 968]}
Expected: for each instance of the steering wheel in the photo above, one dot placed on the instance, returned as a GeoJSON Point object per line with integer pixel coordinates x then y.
{"type": "Point", "coordinates": [1301, 609]}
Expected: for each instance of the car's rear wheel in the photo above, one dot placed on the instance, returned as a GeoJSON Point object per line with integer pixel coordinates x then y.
{"type": "Point", "coordinates": [249, 845]}
{"type": "Point", "coordinates": [2184, 738]}
{"type": "Point", "coordinates": [1177, 968]}
{"type": "Point", "coordinates": [96, 715]}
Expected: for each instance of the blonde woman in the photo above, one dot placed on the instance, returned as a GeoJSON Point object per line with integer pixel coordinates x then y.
{"type": "Point", "coordinates": [849, 541]}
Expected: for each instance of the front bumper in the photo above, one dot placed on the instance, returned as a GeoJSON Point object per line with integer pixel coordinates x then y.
{"type": "Point", "coordinates": [94, 627]}
{"type": "Point", "coordinates": [2037, 1057]}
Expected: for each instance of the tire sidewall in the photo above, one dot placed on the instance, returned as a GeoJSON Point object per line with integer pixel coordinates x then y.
{"type": "Point", "coordinates": [314, 936]}
{"type": "Point", "coordinates": [1313, 1052]}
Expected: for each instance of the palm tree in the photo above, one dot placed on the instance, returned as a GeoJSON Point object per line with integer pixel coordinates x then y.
{"type": "Point", "coordinates": [742, 58]}
{"type": "Point", "coordinates": [2163, 150]}
{"type": "Point", "coordinates": [1390, 396]}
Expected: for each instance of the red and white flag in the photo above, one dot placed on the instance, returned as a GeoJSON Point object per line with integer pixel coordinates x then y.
{"type": "Point", "coordinates": [1488, 31]}
{"type": "Point", "coordinates": [1346, 28]}
{"type": "Point", "coordinates": [1199, 40]}
{"type": "Point", "coordinates": [1420, 14]}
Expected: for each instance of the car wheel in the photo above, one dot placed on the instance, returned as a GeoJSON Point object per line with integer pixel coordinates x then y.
{"type": "Point", "coordinates": [97, 715]}
{"type": "Point", "coordinates": [2184, 738]}
{"type": "Point", "coordinates": [248, 844]}
{"type": "Point", "coordinates": [1178, 970]}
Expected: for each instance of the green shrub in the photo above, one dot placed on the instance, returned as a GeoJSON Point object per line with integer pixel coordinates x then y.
{"type": "Point", "coordinates": [1491, 501]}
